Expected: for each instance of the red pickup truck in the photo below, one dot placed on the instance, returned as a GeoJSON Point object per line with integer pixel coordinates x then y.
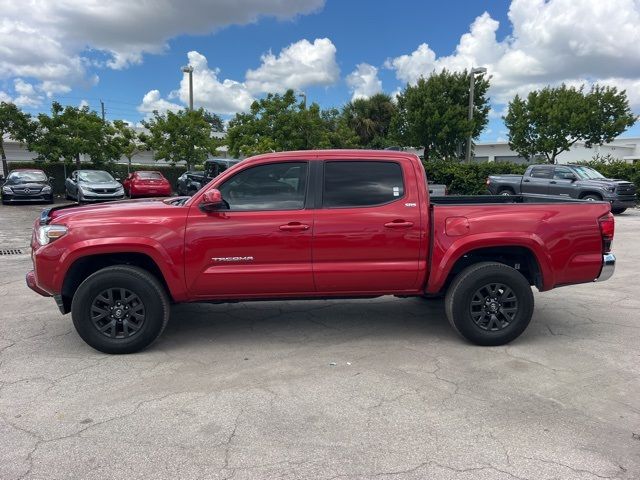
{"type": "Point", "coordinates": [315, 224]}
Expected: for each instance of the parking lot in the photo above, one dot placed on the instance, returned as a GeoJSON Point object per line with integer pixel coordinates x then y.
{"type": "Point", "coordinates": [344, 389]}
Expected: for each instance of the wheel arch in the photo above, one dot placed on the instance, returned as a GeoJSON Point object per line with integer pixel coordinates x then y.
{"type": "Point", "coordinates": [521, 257]}
{"type": "Point", "coordinates": [84, 266]}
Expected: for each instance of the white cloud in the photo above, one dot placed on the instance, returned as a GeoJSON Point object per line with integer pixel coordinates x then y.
{"type": "Point", "coordinates": [552, 41]}
{"type": "Point", "coordinates": [224, 97]}
{"type": "Point", "coordinates": [26, 94]}
{"type": "Point", "coordinates": [299, 65]}
{"type": "Point", "coordinates": [364, 81]}
{"type": "Point", "coordinates": [153, 101]}
{"type": "Point", "coordinates": [47, 40]}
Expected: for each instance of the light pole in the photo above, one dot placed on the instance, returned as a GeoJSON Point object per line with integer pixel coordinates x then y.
{"type": "Point", "coordinates": [189, 69]}
{"type": "Point", "coordinates": [304, 99]}
{"type": "Point", "coordinates": [472, 77]}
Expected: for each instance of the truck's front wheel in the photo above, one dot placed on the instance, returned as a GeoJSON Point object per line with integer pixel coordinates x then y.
{"type": "Point", "coordinates": [489, 303]}
{"type": "Point", "coordinates": [120, 309]}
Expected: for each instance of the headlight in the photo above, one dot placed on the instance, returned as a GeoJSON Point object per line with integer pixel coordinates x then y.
{"type": "Point", "coordinates": [49, 233]}
{"type": "Point", "coordinates": [7, 190]}
{"type": "Point", "coordinates": [85, 189]}
{"type": "Point", "coordinates": [46, 189]}
{"type": "Point", "coordinates": [120, 187]}
{"type": "Point", "coordinates": [611, 189]}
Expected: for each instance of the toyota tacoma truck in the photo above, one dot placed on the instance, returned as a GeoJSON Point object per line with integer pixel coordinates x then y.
{"type": "Point", "coordinates": [315, 224]}
{"type": "Point", "coordinates": [573, 181]}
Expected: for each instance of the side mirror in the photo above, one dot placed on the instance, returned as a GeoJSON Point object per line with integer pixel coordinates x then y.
{"type": "Point", "coordinates": [51, 179]}
{"type": "Point", "coordinates": [212, 201]}
{"type": "Point", "coordinates": [571, 176]}
{"type": "Point", "coordinates": [117, 179]}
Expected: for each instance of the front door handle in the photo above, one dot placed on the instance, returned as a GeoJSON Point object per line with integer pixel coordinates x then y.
{"type": "Point", "coordinates": [399, 224]}
{"type": "Point", "coordinates": [526, 180]}
{"type": "Point", "coordinates": [294, 227]}
{"type": "Point", "coordinates": [553, 182]}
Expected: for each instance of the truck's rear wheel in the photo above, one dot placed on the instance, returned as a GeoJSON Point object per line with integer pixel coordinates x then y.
{"type": "Point", "coordinates": [489, 303]}
{"type": "Point", "coordinates": [120, 309]}
{"type": "Point", "coordinates": [506, 192]}
{"type": "Point", "coordinates": [618, 211]}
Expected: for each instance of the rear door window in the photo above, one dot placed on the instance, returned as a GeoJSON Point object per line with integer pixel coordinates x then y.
{"type": "Point", "coordinates": [361, 183]}
{"type": "Point", "coordinates": [542, 172]}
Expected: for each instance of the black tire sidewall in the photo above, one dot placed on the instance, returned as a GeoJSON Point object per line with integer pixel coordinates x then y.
{"type": "Point", "coordinates": [155, 309]}
{"type": "Point", "coordinates": [460, 301]}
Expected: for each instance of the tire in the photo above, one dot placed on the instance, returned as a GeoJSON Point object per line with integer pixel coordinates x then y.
{"type": "Point", "coordinates": [476, 322]}
{"type": "Point", "coordinates": [119, 336]}
{"type": "Point", "coordinates": [592, 197]}
{"type": "Point", "coordinates": [505, 192]}
{"type": "Point", "coordinates": [618, 211]}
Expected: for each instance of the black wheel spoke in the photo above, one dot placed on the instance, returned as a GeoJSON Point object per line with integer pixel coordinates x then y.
{"type": "Point", "coordinates": [493, 306]}
{"type": "Point", "coordinates": [117, 313]}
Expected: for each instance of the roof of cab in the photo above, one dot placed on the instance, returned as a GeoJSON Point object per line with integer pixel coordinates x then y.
{"type": "Point", "coordinates": [336, 153]}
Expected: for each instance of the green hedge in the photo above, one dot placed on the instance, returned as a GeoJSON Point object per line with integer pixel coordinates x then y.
{"type": "Point", "coordinates": [467, 178]}
{"type": "Point", "coordinates": [57, 171]}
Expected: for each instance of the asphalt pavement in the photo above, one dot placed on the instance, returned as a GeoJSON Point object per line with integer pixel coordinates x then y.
{"type": "Point", "coordinates": [342, 389]}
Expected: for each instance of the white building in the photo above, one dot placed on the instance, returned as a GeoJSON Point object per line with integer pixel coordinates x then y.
{"type": "Point", "coordinates": [627, 149]}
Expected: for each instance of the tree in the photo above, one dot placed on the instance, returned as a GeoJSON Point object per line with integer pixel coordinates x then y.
{"type": "Point", "coordinates": [15, 124]}
{"type": "Point", "coordinates": [278, 122]}
{"type": "Point", "coordinates": [180, 136]}
{"type": "Point", "coordinates": [371, 119]}
{"type": "Point", "coordinates": [434, 113]}
{"type": "Point", "coordinates": [217, 125]}
{"type": "Point", "coordinates": [550, 121]}
{"type": "Point", "coordinates": [126, 141]}
{"type": "Point", "coordinates": [71, 132]}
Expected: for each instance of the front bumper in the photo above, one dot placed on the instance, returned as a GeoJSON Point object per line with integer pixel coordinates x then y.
{"type": "Point", "coordinates": [608, 267]}
{"type": "Point", "coordinates": [101, 197]}
{"type": "Point", "coordinates": [628, 201]}
{"type": "Point", "coordinates": [31, 283]}
{"type": "Point", "coordinates": [19, 198]}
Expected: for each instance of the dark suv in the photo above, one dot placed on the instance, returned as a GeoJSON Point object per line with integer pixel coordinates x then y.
{"type": "Point", "coordinates": [27, 185]}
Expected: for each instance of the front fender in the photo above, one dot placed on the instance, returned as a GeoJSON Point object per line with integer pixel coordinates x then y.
{"type": "Point", "coordinates": [168, 264]}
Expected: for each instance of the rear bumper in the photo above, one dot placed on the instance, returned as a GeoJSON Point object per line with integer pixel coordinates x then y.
{"type": "Point", "coordinates": [608, 267]}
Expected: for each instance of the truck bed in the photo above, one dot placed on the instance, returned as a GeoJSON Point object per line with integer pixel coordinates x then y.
{"type": "Point", "coordinates": [496, 199]}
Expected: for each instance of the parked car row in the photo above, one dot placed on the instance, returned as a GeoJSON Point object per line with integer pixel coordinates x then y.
{"type": "Point", "coordinates": [574, 181]}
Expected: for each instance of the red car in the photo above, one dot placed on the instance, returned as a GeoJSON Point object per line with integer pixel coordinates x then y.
{"type": "Point", "coordinates": [147, 184]}
{"type": "Point", "coordinates": [316, 224]}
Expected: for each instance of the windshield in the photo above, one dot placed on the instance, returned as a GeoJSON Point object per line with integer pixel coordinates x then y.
{"type": "Point", "coordinates": [28, 176]}
{"type": "Point", "coordinates": [94, 176]}
{"type": "Point", "coordinates": [588, 173]}
{"type": "Point", "coordinates": [150, 176]}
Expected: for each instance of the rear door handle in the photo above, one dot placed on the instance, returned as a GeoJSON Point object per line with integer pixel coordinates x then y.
{"type": "Point", "coordinates": [526, 180]}
{"type": "Point", "coordinates": [399, 224]}
{"type": "Point", "coordinates": [294, 227]}
{"type": "Point", "coordinates": [553, 182]}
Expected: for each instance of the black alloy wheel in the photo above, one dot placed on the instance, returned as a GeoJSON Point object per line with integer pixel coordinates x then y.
{"type": "Point", "coordinates": [117, 313]}
{"type": "Point", "coordinates": [494, 306]}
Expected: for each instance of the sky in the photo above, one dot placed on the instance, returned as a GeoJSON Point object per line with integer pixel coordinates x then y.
{"type": "Point", "coordinates": [129, 53]}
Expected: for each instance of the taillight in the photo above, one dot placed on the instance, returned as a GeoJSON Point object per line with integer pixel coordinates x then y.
{"type": "Point", "coordinates": [607, 228]}
{"type": "Point", "coordinates": [488, 182]}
